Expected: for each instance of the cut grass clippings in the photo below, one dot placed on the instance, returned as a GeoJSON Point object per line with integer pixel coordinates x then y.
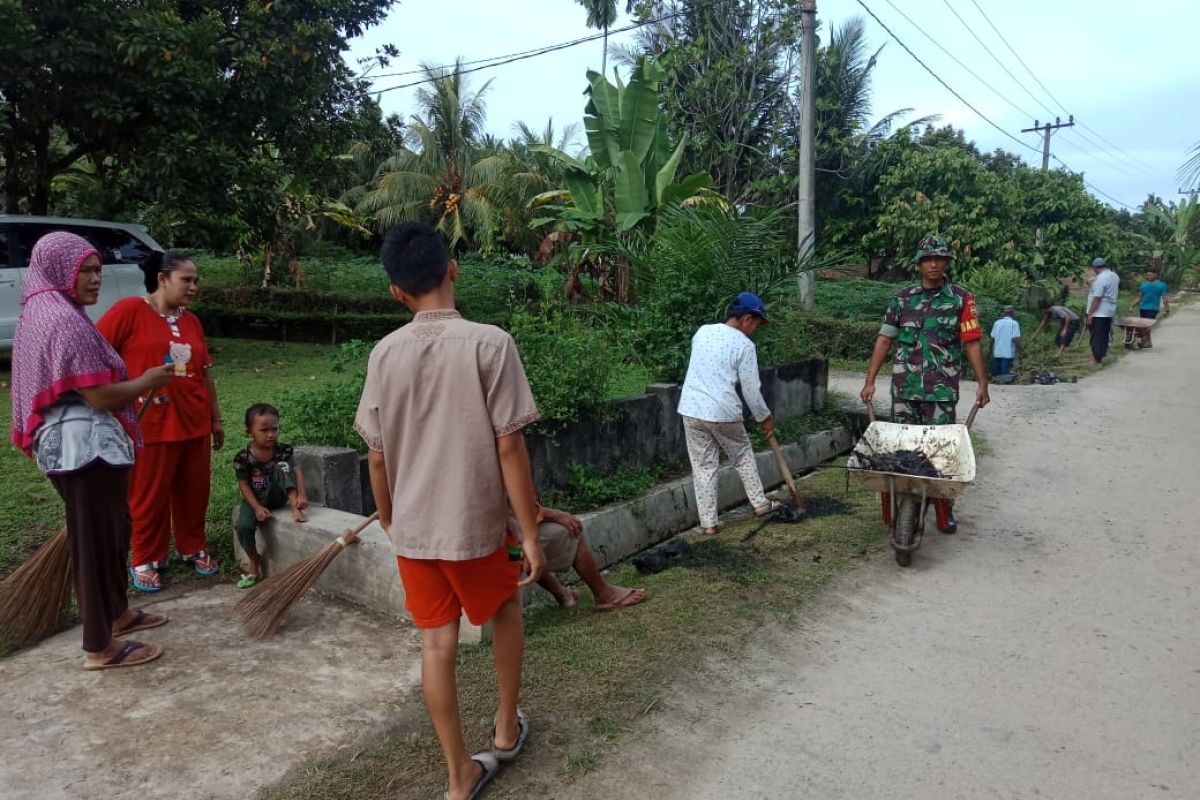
{"type": "Point", "coordinates": [589, 678]}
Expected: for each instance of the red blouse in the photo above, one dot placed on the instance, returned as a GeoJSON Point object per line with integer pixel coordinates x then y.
{"type": "Point", "coordinates": [182, 409]}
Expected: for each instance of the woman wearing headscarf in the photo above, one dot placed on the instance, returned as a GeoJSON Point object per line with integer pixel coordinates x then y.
{"type": "Point", "coordinates": [73, 413]}
{"type": "Point", "coordinates": [173, 475]}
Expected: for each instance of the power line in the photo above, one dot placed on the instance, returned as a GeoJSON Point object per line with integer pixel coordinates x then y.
{"type": "Point", "coordinates": [1091, 185]}
{"type": "Point", "coordinates": [978, 113]}
{"type": "Point", "coordinates": [938, 78]}
{"type": "Point", "coordinates": [1020, 60]}
{"type": "Point", "coordinates": [1131, 159]}
{"type": "Point", "coordinates": [499, 61]}
{"type": "Point", "coordinates": [988, 50]}
{"type": "Point", "coordinates": [970, 71]}
{"type": "Point", "coordinates": [1102, 156]}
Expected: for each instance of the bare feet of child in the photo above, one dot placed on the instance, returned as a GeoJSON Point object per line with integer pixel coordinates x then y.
{"type": "Point", "coordinates": [298, 514]}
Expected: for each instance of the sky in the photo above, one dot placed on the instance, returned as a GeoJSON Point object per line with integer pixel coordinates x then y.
{"type": "Point", "coordinates": [1127, 72]}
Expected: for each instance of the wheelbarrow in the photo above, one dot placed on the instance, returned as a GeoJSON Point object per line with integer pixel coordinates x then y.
{"type": "Point", "coordinates": [947, 447]}
{"type": "Point", "coordinates": [1134, 328]}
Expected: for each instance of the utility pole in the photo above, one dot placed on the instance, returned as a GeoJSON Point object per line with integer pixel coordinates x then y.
{"type": "Point", "coordinates": [806, 192]}
{"type": "Point", "coordinates": [1046, 130]}
{"type": "Point", "coordinates": [1192, 192]}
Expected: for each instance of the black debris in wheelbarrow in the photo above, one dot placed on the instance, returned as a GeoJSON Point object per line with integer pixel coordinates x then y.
{"type": "Point", "coordinates": [901, 462]}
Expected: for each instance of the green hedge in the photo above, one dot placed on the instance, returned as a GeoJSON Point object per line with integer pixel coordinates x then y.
{"type": "Point", "coordinates": [796, 334]}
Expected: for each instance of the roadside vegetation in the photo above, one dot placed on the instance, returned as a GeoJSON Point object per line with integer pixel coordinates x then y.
{"type": "Point", "coordinates": [591, 678]}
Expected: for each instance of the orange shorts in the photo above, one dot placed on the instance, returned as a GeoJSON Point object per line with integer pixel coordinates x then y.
{"type": "Point", "coordinates": [437, 592]}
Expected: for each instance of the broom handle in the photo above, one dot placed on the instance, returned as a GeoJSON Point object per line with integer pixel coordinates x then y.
{"type": "Point", "coordinates": [146, 404]}
{"type": "Point", "coordinates": [351, 536]}
{"type": "Point", "coordinates": [786, 470]}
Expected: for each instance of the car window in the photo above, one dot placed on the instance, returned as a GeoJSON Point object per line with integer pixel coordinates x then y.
{"type": "Point", "coordinates": [114, 245]}
{"type": "Point", "coordinates": [5, 260]}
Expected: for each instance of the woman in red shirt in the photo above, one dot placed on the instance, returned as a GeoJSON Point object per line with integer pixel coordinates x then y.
{"type": "Point", "coordinates": [172, 477]}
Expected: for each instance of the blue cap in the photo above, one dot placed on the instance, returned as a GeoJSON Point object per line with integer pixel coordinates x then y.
{"type": "Point", "coordinates": [1099, 262]}
{"type": "Point", "coordinates": [749, 303]}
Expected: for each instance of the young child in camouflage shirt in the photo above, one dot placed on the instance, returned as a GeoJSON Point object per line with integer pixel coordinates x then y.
{"type": "Point", "coordinates": [268, 479]}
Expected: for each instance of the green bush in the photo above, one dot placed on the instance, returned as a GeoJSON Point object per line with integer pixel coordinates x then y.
{"type": "Point", "coordinates": [797, 334]}
{"type": "Point", "coordinates": [324, 414]}
{"type": "Point", "coordinates": [857, 299]}
{"type": "Point", "coordinates": [587, 489]}
{"type": "Point", "coordinates": [1003, 284]}
{"type": "Point", "coordinates": [689, 271]}
{"type": "Point", "coordinates": [568, 361]}
{"type": "Point", "coordinates": [489, 288]}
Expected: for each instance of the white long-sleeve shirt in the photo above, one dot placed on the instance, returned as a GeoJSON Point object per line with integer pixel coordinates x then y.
{"type": "Point", "coordinates": [722, 357]}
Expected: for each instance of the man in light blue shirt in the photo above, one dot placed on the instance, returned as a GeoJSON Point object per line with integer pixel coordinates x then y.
{"type": "Point", "coordinates": [1006, 340]}
{"type": "Point", "coordinates": [1101, 308]}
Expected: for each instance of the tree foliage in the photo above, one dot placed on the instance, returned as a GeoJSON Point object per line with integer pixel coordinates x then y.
{"type": "Point", "coordinates": [727, 70]}
{"type": "Point", "coordinates": [191, 104]}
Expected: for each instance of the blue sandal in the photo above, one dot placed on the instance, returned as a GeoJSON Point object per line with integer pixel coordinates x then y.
{"type": "Point", "coordinates": [202, 562]}
{"type": "Point", "coordinates": [135, 574]}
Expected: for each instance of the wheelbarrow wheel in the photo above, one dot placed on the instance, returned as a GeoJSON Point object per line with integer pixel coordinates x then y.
{"type": "Point", "coordinates": [908, 515]}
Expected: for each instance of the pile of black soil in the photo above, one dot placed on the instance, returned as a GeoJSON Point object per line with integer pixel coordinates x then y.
{"type": "Point", "coordinates": [901, 462]}
{"type": "Point", "coordinates": [824, 506]}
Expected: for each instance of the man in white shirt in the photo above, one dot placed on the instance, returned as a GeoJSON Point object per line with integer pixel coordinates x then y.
{"type": "Point", "coordinates": [722, 357]}
{"type": "Point", "coordinates": [1101, 308]}
{"type": "Point", "coordinates": [1006, 339]}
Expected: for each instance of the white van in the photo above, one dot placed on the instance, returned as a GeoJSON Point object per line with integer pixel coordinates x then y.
{"type": "Point", "coordinates": [123, 247]}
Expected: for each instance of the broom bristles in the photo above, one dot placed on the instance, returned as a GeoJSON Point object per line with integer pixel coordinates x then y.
{"type": "Point", "coordinates": [35, 598]}
{"type": "Point", "coordinates": [270, 603]}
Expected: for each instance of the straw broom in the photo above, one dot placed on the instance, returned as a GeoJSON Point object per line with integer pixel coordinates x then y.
{"type": "Point", "coordinates": [267, 605]}
{"type": "Point", "coordinates": [36, 598]}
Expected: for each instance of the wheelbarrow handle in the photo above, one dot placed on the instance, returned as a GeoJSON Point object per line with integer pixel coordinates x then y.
{"type": "Point", "coordinates": [971, 417]}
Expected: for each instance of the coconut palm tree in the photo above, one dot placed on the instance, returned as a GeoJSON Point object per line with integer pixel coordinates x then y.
{"type": "Point", "coordinates": [442, 173]}
{"type": "Point", "coordinates": [601, 14]}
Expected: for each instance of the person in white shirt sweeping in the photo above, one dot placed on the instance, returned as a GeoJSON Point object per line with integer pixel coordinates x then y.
{"type": "Point", "coordinates": [722, 357]}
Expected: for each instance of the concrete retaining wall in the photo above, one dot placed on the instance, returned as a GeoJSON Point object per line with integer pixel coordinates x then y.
{"type": "Point", "coordinates": [636, 431]}
{"type": "Point", "coordinates": [365, 574]}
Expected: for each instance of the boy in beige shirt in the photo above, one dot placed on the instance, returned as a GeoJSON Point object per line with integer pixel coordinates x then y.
{"type": "Point", "coordinates": [442, 411]}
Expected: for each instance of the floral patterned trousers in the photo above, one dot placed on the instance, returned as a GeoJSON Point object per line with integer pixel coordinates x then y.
{"type": "Point", "coordinates": [705, 440]}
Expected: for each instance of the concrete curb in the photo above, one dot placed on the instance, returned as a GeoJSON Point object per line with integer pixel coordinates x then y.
{"type": "Point", "coordinates": [365, 574]}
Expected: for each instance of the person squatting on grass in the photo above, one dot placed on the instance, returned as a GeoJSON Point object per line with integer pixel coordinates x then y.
{"type": "Point", "coordinates": [170, 484]}
{"type": "Point", "coordinates": [73, 413]}
{"type": "Point", "coordinates": [723, 356]}
{"type": "Point", "coordinates": [561, 535]}
{"type": "Point", "coordinates": [442, 413]}
{"type": "Point", "coordinates": [1066, 320]}
{"type": "Point", "coordinates": [268, 479]}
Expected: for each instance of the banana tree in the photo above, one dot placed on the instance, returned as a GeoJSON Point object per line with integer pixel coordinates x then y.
{"type": "Point", "coordinates": [629, 173]}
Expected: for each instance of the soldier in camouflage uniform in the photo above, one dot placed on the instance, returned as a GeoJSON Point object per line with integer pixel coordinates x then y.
{"type": "Point", "coordinates": [933, 325]}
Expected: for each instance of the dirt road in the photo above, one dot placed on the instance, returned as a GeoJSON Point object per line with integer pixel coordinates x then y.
{"type": "Point", "coordinates": [1050, 649]}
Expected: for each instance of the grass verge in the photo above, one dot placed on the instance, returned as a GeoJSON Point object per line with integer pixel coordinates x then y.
{"type": "Point", "coordinates": [590, 677]}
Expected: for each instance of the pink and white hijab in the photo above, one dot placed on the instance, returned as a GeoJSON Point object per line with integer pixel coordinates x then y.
{"type": "Point", "coordinates": [56, 348]}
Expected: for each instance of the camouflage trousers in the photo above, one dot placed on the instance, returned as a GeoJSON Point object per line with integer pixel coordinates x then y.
{"type": "Point", "coordinates": [921, 412]}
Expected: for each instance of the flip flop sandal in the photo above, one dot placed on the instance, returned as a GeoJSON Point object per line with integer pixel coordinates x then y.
{"type": "Point", "coordinates": [622, 602]}
{"type": "Point", "coordinates": [138, 584]}
{"type": "Point", "coordinates": [522, 735]}
{"type": "Point", "coordinates": [122, 657]}
{"type": "Point", "coordinates": [248, 580]}
{"type": "Point", "coordinates": [490, 767]}
{"type": "Point", "coordinates": [772, 505]}
{"type": "Point", "coordinates": [198, 562]}
{"type": "Point", "coordinates": [142, 622]}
